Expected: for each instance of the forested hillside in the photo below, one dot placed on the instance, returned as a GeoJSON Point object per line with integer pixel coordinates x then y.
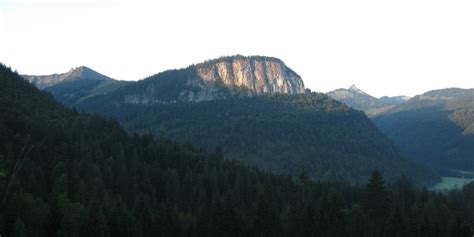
{"type": "Point", "coordinates": [282, 133]}
{"type": "Point", "coordinates": [76, 91]}
{"type": "Point", "coordinates": [67, 174]}
{"type": "Point", "coordinates": [436, 128]}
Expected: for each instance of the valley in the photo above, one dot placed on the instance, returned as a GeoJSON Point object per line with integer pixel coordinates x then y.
{"type": "Point", "coordinates": [434, 129]}
{"type": "Point", "coordinates": [253, 109]}
{"type": "Point", "coordinates": [214, 97]}
{"type": "Point", "coordinates": [450, 183]}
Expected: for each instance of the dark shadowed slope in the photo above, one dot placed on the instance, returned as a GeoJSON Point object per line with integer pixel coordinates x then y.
{"type": "Point", "coordinates": [76, 85]}
{"type": "Point", "coordinates": [437, 128]}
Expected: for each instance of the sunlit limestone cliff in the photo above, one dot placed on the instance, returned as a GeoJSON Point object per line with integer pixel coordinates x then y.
{"type": "Point", "coordinates": [218, 78]}
{"type": "Point", "coordinates": [257, 74]}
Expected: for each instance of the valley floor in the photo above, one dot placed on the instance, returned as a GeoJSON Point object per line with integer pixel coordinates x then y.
{"type": "Point", "coordinates": [448, 183]}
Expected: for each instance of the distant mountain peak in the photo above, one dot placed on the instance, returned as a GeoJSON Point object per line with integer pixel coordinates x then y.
{"type": "Point", "coordinates": [75, 73]}
{"type": "Point", "coordinates": [356, 98]}
{"type": "Point", "coordinates": [448, 93]}
{"type": "Point", "coordinates": [81, 68]}
{"type": "Point", "coordinates": [353, 87]}
{"type": "Point", "coordinates": [83, 72]}
{"type": "Point", "coordinates": [357, 90]}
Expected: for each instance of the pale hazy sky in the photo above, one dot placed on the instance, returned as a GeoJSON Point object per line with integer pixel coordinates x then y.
{"type": "Point", "coordinates": [384, 47]}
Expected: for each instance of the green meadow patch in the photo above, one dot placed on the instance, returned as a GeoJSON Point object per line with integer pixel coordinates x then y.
{"type": "Point", "coordinates": [449, 183]}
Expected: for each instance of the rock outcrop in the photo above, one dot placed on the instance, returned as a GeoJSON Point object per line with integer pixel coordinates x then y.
{"type": "Point", "coordinates": [256, 74]}
{"type": "Point", "coordinates": [217, 79]}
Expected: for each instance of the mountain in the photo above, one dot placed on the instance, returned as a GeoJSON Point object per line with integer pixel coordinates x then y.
{"type": "Point", "coordinates": [63, 173]}
{"type": "Point", "coordinates": [214, 79]}
{"type": "Point", "coordinates": [78, 73]}
{"type": "Point", "coordinates": [436, 128]}
{"type": "Point", "coordinates": [73, 92]}
{"type": "Point", "coordinates": [76, 85]}
{"type": "Point", "coordinates": [358, 99]}
{"type": "Point", "coordinates": [265, 119]}
{"type": "Point", "coordinates": [68, 174]}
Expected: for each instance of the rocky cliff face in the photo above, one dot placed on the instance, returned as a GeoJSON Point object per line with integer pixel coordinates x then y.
{"type": "Point", "coordinates": [78, 73]}
{"type": "Point", "coordinates": [258, 75]}
{"type": "Point", "coordinates": [217, 79]}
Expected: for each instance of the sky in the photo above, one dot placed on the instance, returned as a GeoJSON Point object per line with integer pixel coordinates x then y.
{"type": "Point", "coordinates": [403, 47]}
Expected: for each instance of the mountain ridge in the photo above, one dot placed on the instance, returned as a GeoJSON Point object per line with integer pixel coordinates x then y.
{"type": "Point", "coordinates": [395, 100]}
{"type": "Point", "coordinates": [260, 129]}
{"type": "Point", "coordinates": [77, 73]}
{"type": "Point", "coordinates": [436, 127]}
{"type": "Point", "coordinates": [219, 78]}
{"type": "Point", "coordinates": [212, 79]}
{"type": "Point", "coordinates": [360, 100]}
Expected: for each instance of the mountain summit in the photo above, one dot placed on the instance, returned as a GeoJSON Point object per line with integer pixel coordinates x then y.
{"type": "Point", "coordinates": [357, 99]}
{"type": "Point", "coordinates": [355, 89]}
{"type": "Point", "coordinates": [256, 73]}
{"type": "Point", "coordinates": [78, 73]}
{"type": "Point", "coordinates": [213, 79]}
{"type": "Point", "coordinates": [217, 79]}
{"type": "Point", "coordinates": [360, 100]}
